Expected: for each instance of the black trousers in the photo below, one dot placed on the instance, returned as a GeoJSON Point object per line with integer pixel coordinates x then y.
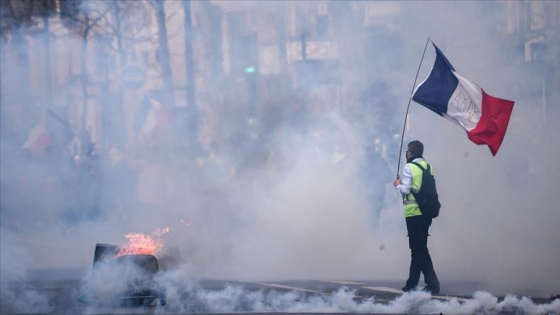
{"type": "Point", "coordinates": [420, 262]}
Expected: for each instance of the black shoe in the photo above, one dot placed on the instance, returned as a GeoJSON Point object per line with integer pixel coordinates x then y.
{"type": "Point", "coordinates": [430, 290]}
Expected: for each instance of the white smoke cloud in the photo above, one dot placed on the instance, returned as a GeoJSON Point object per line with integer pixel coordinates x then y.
{"type": "Point", "coordinates": [299, 209]}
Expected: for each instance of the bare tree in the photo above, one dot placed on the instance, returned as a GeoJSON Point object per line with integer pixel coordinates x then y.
{"type": "Point", "coordinates": [126, 23]}
{"type": "Point", "coordinates": [189, 64]}
{"type": "Point", "coordinates": [48, 8]}
{"type": "Point", "coordinates": [123, 29]}
{"type": "Point", "coordinates": [163, 52]}
{"type": "Point", "coordinates": [84, 19]}
{"type": "Point", "coordinates": [16, 17]}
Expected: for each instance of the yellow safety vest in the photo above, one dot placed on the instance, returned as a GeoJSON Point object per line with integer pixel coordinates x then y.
{"type": "Point", "coordinates": [411, 208]}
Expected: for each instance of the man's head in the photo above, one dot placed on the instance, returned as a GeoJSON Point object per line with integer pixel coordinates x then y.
{"type": "Point", "coordinates": [415, 148]}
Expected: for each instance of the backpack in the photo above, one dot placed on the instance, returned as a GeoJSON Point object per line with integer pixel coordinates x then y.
{"type": "Point", "coordinates": [427, 196]}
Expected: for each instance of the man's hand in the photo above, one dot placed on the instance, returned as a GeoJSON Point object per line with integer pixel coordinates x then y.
{"type": "Point", "coordinates": [397, 181]}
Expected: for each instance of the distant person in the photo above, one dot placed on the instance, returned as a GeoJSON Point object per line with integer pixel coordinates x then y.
{"type": "Point", "coordinates": [417, 224]}
{"type": "Point", "coordinates": [375, 173]}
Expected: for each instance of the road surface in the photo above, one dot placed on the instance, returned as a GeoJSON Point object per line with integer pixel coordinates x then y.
{"type": "Point", "coordinates": [66, 292]}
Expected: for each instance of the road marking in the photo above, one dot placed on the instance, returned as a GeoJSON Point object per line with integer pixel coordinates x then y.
{"type": "Point", "coordinates": [397, 291]}
{"type": "Point", "coordinates": [449, 298]}
{"type": "Point", "coordinates": [385, 289]}
{"type": "Point", "coordinates": [280, 286]}
{"type": "Point", "coordinates": [347, 282]}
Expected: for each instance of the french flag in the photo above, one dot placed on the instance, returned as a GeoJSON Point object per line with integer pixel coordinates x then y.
{"type": "Point", "coordinates": [152, 117]}
{"type": "Point", "coordinates": [448, 94]}
{"type": "Point", "coordinates": [38, 139]}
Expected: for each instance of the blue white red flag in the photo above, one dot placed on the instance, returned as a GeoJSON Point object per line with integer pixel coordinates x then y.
{"type": "Point", "coordinates": [152, 117]}
{"type": "Point", "coordinates": [38, 139]}
{"type": "Point", "coordinates": [448, 94]}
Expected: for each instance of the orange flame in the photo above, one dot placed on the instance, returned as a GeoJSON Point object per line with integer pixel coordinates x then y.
{"type": "Point", "coordinates": [143, 244]}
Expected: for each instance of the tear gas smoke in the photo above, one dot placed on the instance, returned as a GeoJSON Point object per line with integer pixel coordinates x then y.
{"type": "Point", "coordinates": [283, 196]}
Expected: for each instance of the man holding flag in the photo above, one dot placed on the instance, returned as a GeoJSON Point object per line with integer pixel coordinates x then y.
{"type": "Point", "coordinates": [417, 223]}
{"type": "Point", "coordinates": [485, 119]}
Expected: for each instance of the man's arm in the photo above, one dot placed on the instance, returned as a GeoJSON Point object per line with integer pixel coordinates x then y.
{"type": "Point", "coordinates": [403, 185]}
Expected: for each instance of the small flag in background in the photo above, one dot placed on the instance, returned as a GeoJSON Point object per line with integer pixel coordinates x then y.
{"type": "Point", "coordinates": [151, 117]}
{"type": "Point", "coordinates": [38, 139]}
{"type": "Point", "coordinates": [445, 92]}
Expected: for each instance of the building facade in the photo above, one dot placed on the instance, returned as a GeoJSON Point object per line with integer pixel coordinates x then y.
{"type": "Point", "coordinates": [244, 54]}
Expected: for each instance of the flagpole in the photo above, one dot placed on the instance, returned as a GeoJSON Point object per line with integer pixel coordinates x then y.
{"type": "Point", "coordinates": [408, 107]}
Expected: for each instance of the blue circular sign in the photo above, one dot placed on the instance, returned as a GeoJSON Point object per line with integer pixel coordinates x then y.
{"type": "Point", "coordinates": [133, 76]}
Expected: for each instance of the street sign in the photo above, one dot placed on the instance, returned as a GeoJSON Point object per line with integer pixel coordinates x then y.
{"type": "Point", "coordinates": [133, 76]}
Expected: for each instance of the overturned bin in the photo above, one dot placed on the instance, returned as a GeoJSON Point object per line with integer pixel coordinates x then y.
{"type": "Point", "coordinates": [125, 280]}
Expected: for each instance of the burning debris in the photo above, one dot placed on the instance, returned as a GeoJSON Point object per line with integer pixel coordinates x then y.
{"type": "Point", "coordinates": [143, 244]}
{"type": "Point", "coordinates": [125, 275]}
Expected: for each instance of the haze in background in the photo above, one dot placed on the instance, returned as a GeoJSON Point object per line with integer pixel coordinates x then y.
{"type": "Point", "coordinates": [303, 210]}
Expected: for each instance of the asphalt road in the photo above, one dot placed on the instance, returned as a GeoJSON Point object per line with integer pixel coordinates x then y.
{"type": "Point", "coordinates": [65, 292]}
